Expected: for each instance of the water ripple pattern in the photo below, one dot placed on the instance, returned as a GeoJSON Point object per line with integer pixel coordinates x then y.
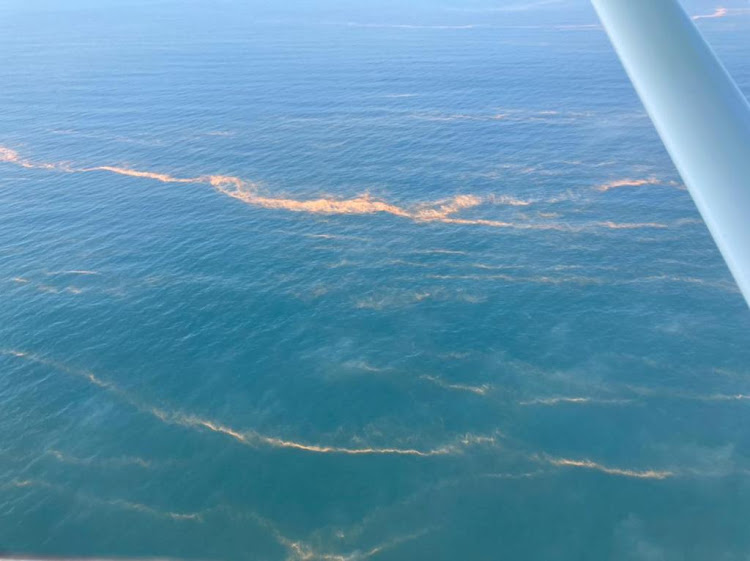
{"type": "Point", "coordinates": [312, 281]}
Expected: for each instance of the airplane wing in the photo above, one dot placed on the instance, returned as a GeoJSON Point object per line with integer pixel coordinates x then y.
{"type": "Point", "coordinates": [700, 113]}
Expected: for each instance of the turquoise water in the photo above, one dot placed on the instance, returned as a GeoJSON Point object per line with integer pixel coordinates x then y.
{"type": "Point", "coordinates": [328, 282]}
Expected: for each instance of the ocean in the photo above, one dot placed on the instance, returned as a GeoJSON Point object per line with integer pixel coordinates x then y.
{"type": "Point", "coordinates": [328, 281]}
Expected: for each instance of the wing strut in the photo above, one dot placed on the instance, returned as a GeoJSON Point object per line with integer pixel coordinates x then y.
{"type": "Point", "coordinates": [700, 113]}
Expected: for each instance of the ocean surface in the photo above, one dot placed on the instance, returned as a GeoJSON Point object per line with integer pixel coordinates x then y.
{"type": "Point", "coordinates": [325, 281]}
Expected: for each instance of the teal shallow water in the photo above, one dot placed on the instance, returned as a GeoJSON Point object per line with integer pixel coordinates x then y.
{"type": "Point", "coordinates": [449, 300]}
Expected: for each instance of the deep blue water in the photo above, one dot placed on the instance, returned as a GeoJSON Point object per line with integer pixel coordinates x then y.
{"type": "Point", "coordinates": [513, 339]}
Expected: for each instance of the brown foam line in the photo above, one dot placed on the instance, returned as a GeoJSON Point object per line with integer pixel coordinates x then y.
{"type": "Point", "coordinates": [248, 438]}
{"type": "Point", "coordinates": [591, 465]}
{"type": "Point", "coordinates": [440, 211]}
